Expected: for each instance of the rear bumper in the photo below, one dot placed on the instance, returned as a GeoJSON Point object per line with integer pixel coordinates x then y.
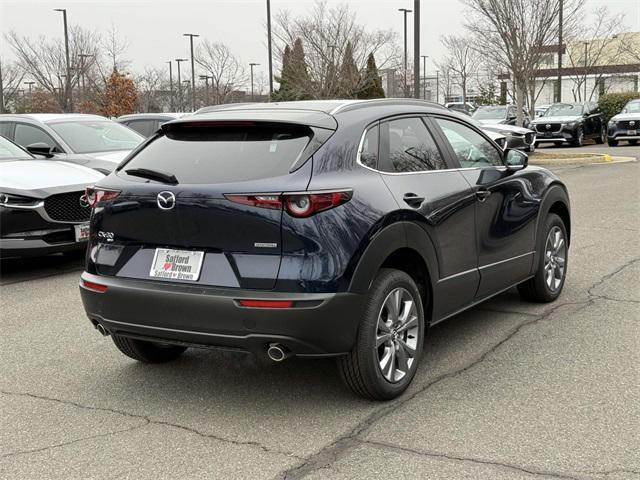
{"type": "Point", "coordinates": [317, 325]}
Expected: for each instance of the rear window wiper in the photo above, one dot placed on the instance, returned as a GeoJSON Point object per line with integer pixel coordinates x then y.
{"type": "Point", "coordinates": [153, 175]}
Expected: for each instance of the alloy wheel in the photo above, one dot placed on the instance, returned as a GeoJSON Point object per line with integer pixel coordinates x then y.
{"type": "Point", "coordinates": [397, 335]}
{"type": "Point", "coordinates": [555, 259]}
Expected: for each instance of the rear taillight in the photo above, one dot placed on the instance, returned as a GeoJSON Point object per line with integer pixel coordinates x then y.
{"type": "Point", "coordinates": [299, 205]}
{"type": "Point", "coordinates": [97, 195]}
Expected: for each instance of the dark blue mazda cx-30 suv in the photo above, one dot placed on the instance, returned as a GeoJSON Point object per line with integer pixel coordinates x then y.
{"type": "Point", "coordinates": [317, 228]}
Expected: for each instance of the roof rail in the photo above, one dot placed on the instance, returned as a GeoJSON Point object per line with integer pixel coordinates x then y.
{"type": "Point", "coordinates": [392, 101]}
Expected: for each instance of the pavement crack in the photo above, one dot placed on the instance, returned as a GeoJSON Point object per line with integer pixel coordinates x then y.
{"type": "Point", "coordinates": [609, 276]}
{"type": "Point", "coordinates": [494, 463]}
{"type": "Point", "coordinates": [150, 421]}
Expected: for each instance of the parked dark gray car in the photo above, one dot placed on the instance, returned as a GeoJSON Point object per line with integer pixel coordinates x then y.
{"type": "Point", "coordinates": [625, 126]}
{"type": "Point", "coordinates": [89, 140]}
{"type": "Point", "coordinates": [570, 123]}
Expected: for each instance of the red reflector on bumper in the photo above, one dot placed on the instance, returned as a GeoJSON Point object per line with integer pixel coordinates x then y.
{"type": "Point", "coordinates": [266, 303]}
{"type": "Point", "coordinates": [94, 287]}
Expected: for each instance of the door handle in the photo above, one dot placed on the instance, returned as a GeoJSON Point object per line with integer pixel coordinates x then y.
{"type": "Point", "coordinates": [482, 194]}
{"type": "Point", "coordinates": [413, 200]}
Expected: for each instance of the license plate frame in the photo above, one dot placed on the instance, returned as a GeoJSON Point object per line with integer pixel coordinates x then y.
{"type": "Point", "coordinates": [81, 232]}
{"type": "Point", "coordinates": [175, 264]}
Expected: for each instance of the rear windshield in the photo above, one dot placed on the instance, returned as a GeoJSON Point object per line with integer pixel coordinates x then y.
{"type": "Point", "coordinates": [97, 136]}
{"type": "Point", "coordinates": [221, 154]}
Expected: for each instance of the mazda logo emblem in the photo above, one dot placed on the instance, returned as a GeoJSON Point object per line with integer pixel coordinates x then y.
{"type": "Point", "coordinates": [84, 203]}
{"type": "Point", "coordinates": [166, 200]}
{"type": "Point", "coordinates": [632, 123]}
{"type": "Point", "coordinates": [548, 126]}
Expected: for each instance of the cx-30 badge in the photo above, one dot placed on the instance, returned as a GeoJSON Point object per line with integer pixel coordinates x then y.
{"type": "Point", "coordinates": [166, 200]}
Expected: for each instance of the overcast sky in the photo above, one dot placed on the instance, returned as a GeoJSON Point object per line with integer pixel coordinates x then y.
{"type": "Point", "coordinates": [154, 27]}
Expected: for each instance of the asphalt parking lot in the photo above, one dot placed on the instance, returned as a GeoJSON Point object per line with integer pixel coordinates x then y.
{"type": "Point", "coordinates": [507, 390]}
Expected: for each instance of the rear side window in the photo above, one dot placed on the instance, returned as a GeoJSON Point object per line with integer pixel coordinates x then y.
{"type": "Point", "coordinates": [369, 152]}
{"type": "Point", "coordinates": [407, 146]}
{"type": "Point", "coordinates": [224, 153]}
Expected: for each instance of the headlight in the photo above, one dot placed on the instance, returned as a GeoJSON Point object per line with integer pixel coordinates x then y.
{"type": "Point", "coordinates": [570, 124]}
{"type": "Point", "coordinates": [612, 122]}
{"type": "Point", "coordinates": [10, 200]}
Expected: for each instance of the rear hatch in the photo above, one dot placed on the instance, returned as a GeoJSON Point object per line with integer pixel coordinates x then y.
{"type": "Point", "coordinates": [188, 200]}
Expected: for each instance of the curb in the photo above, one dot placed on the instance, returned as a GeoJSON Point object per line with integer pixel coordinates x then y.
{"type": "Point", "coordinates": [586, 159]}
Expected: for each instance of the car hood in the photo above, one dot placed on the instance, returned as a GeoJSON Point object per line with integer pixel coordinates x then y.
{"type": "Point", "coordinates": [507, 129]}
{"type": "Point", "coordinates": [627, 116]}
{"type": "Point", "coordinates": [491, 121]}
{"type": "Point", "coordinates": [493, 135]}
{"type": "Point", "coordinates": [115, 157]}
{"type": "Point", "coordinates": [45, 174]}
{"type": "Point", "coordinates": [557, 119]}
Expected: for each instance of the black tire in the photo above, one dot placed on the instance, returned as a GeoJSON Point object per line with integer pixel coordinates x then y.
{"type": "Point", "coordinates": [600, 139]}
{"type": "Point", "coordinates": [147, 352]}
{"type": "Point", "coordinates": [537, 144]}
{"type": "Point", "coordinates": [612, 142]}
{"type": "Point", "coordinates": [578, 140]}
{"type": "Point", "coordinates": [360, 369]}
{"type": "Point", "coordinates": [536, 289]}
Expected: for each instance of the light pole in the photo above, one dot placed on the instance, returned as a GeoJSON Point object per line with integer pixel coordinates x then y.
{"type": "Point", "coordinates": [206, 86]}
{"type": "Point", "coordinates": [405, 11]}
{"type": "Point", "coordinates": [437, 86]}
{"type": "Point", "coordinates": [171, 85]}
{"type": "Point", "coordinates": [416, 48]}
{"type": "Point", "coordinates": [193, 73]}
{"type": "Point", "coordinates": [559, 95]}
{"type": "Point", "coordinates": [83, 73]}
{"type": "Point", "coordinates": [269, 49]}
{"type": "Point", "coordinates": [424, 71]}
{"type": "Point", "coordinates": [67, 90]}
{"type": "Point", "coordinates": [30, 85]}
{"type": "Point", "coordinates": [251, 65]}
{"type": "Point", "coordinates": [178, 60]}
{"type": "Point", "coordinates": [586, 44]}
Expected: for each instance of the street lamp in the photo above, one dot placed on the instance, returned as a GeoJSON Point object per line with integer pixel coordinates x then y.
{"type": "Point", "coordinates": [206, 86]}
{"type": "Point", "coordinates": [66, 52]}
{"type": "Point", "coordinates": [193, 73]}
{"type": "Point", "coordinates": [251, 65]}
{"type": "Point", "coordinates": [180, 107]}
{"type": "Point", "coordinates": [586, 44]}
{"type": "Point", "coordinates": [269, 48]}
{"type": "Point", "coordinates": [171, 85]}
{"type": "Point", "coordinates": [424, 71]}
{"type": "Point", "coordinates": [83, 73]}
{"type": "Point", "coordinates": [437, 86]}
{"type": "Point", "coordinates": [30, 85]}
{"type": "Point", "coordinates": [405, 11]}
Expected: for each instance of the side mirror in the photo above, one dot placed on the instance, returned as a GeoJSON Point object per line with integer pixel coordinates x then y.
{"type": "Point", "coordinates": [515, 160]}
{"type": "Point", "coordinates": [40, 148]}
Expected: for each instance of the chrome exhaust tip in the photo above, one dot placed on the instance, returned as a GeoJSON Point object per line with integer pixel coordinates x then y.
{"type": "Point", "coordinates": [277, 352]}
{"type": "Point", "coordinates": [103, 331]}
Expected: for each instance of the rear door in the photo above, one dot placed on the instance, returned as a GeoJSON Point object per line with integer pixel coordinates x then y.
{"type": "Point", "coordinates": [224, 201]}
{"type": "Point", "coordinates": [438, 199]}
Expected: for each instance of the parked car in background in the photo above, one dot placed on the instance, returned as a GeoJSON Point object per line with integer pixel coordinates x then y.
{"type": "Point", "coordinates": [460, 107]}
{"type": "Point", "coordinates": [43, 207]}
{"type": "Point", "coordinates": [540, 110]}
{"type": "Point", "coordinates": [317, 228]}
{"type": "Point", "coordinates": [146, 124]}
{"type": "Point", "coordinates": [89, 140]}
{"type": "Point", "coordinates": [499, 114]}
{"type": "Point", "coordinates": [625, 126]}
{"type": "Point", "coordinates": [570, 123]}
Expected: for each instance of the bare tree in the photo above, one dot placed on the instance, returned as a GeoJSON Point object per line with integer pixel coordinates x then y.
{"type": "Point", "coordinates": [225, 69]}
{"type": "Point", "coordinates": [593, 47]}
{"type": "Point", "coordinates": [445, 78]}
{"type": "Point", "coordinates": [463, 60]}
{"type": "Point", "coordinates": [513, 32]}
{"type": "Point", "coordinates": [11, 76]}
{"type": "Point", "coordinates": [150, 85]}
{"type": "Point", "coordinates": [325, 33]}
{"type": "Point", "coordinates": [44, 60]}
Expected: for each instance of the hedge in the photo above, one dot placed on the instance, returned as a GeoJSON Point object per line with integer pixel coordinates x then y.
{"type": "Point", "coordinates": [612, 103]}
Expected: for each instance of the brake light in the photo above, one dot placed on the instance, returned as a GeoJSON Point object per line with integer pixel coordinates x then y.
{"type": "Point", "coordinates": [299, 205]}
{"type": "Point", "coordinates": [266, 303]}
{"type": "Point", "coordinates": [97, 195]}
{"type": "Point", "coordinates": [94, 287]}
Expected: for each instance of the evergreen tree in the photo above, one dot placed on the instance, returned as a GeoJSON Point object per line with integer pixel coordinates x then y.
{"type": "Point", "coordinates": [302, 88]}
{"type": "Point", "coordinates": [371, 82]}
{"type": "Point", "coordinates": [349, 76]}
{"type": "Point", "coordinates": [282, 94]}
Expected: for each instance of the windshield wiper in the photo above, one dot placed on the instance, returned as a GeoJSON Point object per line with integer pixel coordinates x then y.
{"type": "Point", "coordinates": [153, 175]}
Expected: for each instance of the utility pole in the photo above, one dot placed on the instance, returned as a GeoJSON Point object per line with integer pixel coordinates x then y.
{"type": "Point", "coordinates": [251, 65]}
{"type": "Point", "coordinates": [405, 11]}
{"type": "Point", "coordinates": [206, 87]}
{"type": "Point", "coordinates": [180, 106]}
{"type": "Point", "coordinates": [67, 88]}
{"type": "Point", "coordinates": [416, 48]}
{"type": "Point", "coordinates": [560, 26]}
{"type": "Point", "coordinates": [193, 73]}
{"type": "Point", "coordinates": [424, 73]}
{"type": "Point", "coordinates": [171, 85]}
{"type": "Point", "coordinates": [269, 49]}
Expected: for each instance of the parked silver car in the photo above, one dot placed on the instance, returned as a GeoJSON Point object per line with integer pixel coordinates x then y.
{"type": "Point", "coordinates": [89, 140]}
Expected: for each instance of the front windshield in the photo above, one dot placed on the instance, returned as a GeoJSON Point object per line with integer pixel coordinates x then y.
{"type": "Point", "coordinates": [490, 113]}
{"type": "Point", "coordinates": [97, 136]}
{"type": "Point", "coordinates": [564, 110]}
{"type": "Point", "coordinates": [632, 107]}
{"type": "Point", "coordinates": [9, 150]}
